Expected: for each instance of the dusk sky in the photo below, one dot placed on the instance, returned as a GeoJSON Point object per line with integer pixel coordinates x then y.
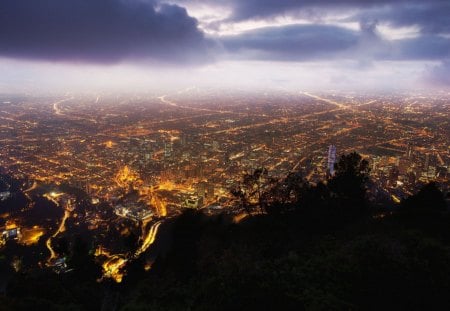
{"type": "Point", "coordinates": [70, 45]}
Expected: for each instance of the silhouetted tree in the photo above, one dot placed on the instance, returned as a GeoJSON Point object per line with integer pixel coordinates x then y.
{"type": "Point", "coordinates": [239, 193]}
{"type": "Point", "coordinates": [429, 199]}
{"type": "Point", "coordinates": [254, 184]}
{"type": "Point", "coordinates": [61, 245]}
{"type": "Point", "coordinates": [286, 193]}
{"type": "Point", "coordinates": [254, 190]}
{"type": "Point", "coordinates": [131, 241]}
{"type": "Point", "coordinates": [348, 185]}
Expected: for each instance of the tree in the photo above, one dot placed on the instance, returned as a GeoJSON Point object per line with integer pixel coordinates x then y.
{"type": "Point", "coordinates": [239, 193]}
{"type": "Point", "coordinates": [62, 245]}
{"type": "Point", "coordinates": [287, 192]}
{"type": "Point", "coordinates": [348, 185]}
{"type": "Point", "coordinates": [254, 190]}
{"type": "Point", "coordinates": [428, 199]}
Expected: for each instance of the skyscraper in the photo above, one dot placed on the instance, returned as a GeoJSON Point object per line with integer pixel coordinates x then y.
{"type": "Point", "coordinates": [427, 162]}
{"type": "Point", "coordinates": [168, 149]}
{"type": "Point", "coordinates": [409, 151]}
{"type": "Point", "coordinates": [331, 159]}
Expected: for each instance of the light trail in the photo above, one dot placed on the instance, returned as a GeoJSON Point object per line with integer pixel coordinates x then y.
{"type": "Point", "coordinates": [159, 204]}
{"type": "Point", "coordinates": [58, 111]}
{"type": "Point", "coordinates": [168, 102]}
{"type": "Point", "coordinates": [112, 267]}
{"type": "Point", "coordinates": [149, 239]}
{"type": "Point", "coordinates": [329, 101]}
{"type": "Point", "coordinates": [61, 228]}
{"type": "Point", "coordinates": [33, 186]}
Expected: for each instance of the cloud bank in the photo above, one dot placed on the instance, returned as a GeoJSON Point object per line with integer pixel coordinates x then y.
{"type": "Point", "coordinates": [169, 33]}
{"type": "Point", "coordinates": [99, 31]}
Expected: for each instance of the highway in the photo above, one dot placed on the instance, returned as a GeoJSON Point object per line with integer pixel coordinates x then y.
{"type": "Point", "coordinates": [61, 228]}
{"type": "Point", "coordinates": [149, 239]}
{"type": "Point", "coordinates": [112, 267]}
{"type": "Point", "coordinates": [57, 110]}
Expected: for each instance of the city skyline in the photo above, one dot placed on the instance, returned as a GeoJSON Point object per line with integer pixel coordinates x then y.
{"type": "Point", "coordinates": [113, 165]}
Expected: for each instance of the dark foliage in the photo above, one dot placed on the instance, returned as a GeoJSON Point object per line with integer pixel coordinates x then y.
{"type": "Point", "coordinates": [428, 200]}
{"type": "Point", "coordinates": [318, 247]}
{"type": "Point", "coordinates": [348, 185]}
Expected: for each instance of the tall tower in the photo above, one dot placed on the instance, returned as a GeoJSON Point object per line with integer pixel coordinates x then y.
{"type": "Point", "coordinates": [409, 151]}
{"type": "Point", "coordinates": [427, 162]}
{"type": "Point", "coordinates": [168, 149]}
{"type": "Point", "coordinates": [331, 159]}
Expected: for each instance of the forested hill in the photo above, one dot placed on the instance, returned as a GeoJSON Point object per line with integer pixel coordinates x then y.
{"type": "Point", "coordinates": [327, 248]}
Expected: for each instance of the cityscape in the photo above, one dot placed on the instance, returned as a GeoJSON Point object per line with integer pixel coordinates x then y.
{"type": "Point", "coordinates": [143, 159]}
{"type": "Point", "coordinates": [224, 155]}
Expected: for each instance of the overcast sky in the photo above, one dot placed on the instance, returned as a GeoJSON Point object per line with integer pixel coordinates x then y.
{"type": "Point", "coordinates": [295, 44]}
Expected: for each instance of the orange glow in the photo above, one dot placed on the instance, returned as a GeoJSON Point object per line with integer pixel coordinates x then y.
{"type": "Point", "coordinates": [156, 200]}
{"type": "Point", "coordinates": [61, 228]}
{"type": "Point", "coordinates": [149, 239]}
{"type": "Point", "coordinates": [109, 144]}
{"type": "Point", "coordinates": [159, 205]}
{"type": "Point", "coordinates": [238, 218]}
{"type": "Point", "coordinates": [31, 236]}
{"type": "Point", "coordinates": [112, 267]}
{"type": "Point", "coordinates": [10, 224]}
{"type": "Point", "coordinates": [127, 176]}
{"type": "Point", "coordinates": [99, 251]}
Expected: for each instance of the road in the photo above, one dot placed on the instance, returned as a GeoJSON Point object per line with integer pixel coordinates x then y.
{"type": "Point", "coordinates": [149, 239]}
{"type": "Point", "coordinates": [58, 111]}
{"type": "Point", "coordinates": [112, 267]}
{"type": "Point", "coordinates": [61, 228]}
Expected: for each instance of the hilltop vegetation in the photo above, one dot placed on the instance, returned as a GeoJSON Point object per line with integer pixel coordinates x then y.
{"type": "Point", "coordinates": [311, 247]}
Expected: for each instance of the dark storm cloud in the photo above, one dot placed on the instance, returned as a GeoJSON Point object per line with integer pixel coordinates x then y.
{"type": "Point", "coordinates": [431, 17]}
{"type": "Point", "coordinates": [294, 42]}
{"type": "Point", "coordinates": [326, 42]}
{"type": "Point", "coordinates": [101, 31]}
{"type": "Point", "coordinates": [301, 42]}
{"type": "Point", "coordinates": [108, 31]}
{"type": "Point", "coordinates": [421, 48]}
{"type": "Point", "coordinates": [256, 9]}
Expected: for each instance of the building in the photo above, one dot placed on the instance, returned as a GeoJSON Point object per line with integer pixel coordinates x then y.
{"type": "Point", "coordinates": [168, 149]}
{"type": "Point", "coordinates": [210, 190]}
{"type": "Point", "coordinates": [427, 162]}
{"type": "Point", "coordinates": [201, 189]}
{"type": "Point", "coordinates": [215, 145]}
{"type": "Point", "coordinates": [409, 151]}
{"type": "Point", "coordinates": [331, 159]}
{"type": "Point", "coordinates": [134, 211]}
{"type": "Point", "coordinates": [4, 195]}
{"type": "Point", "coordinates": [60, 266]}
{"type": "Point", "coordinates": [11, 234]}
{"type": "Point", "coordinates": [404, 165]}
{"type": "Point", "coordinates": [193, 202]}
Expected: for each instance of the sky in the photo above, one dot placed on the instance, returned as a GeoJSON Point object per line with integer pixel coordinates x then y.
{"type": "Point", "coordinates": [128, 45]}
